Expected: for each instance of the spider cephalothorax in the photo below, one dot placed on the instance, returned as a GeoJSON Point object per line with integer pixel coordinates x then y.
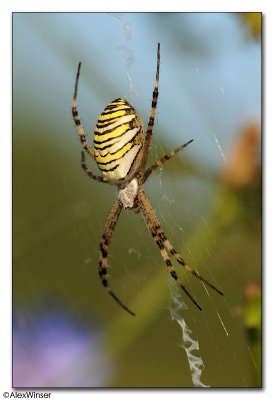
{"type": "Point", "coordinates": [121, 151]}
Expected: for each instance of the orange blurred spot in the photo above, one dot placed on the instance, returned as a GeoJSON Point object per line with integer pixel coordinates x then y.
{"type": "Point", "coordinates": [251, 291]}
{"type": "Point", "coordinates": [253, 21]}
{"type": "Point", "coordinates": [243, 166]}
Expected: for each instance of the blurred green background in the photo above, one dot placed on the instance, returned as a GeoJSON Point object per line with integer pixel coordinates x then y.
{"type": "Point", "coordinates": [67, 331]}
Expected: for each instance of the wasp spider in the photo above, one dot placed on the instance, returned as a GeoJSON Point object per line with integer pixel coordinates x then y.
{"type": "Point", "coordinates": [121, 151]}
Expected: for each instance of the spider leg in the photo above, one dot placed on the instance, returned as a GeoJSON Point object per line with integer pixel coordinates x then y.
{"type": "Point", "coordinates": [181, 261]}
{"type": "Point", "coordinates": [152, 113]}
{"type": "Point", "coordinates": [167, 261]}
{"type": "Point", "coordinates": [160, 162]}
{"type": "Point", "coordinates": [152, 225]}
{"type": "Point", "coordinates": [104, 244]}
{"type": "Point", "coordinates": [88, 171]}
{"type": "Point", "coordinates": [76, 118]}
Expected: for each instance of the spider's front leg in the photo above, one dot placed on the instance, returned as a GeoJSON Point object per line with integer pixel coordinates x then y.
{"type": "Point", "coordinates": [104, 244]}
{"type": "Point", "coordinates": [165, 246]}
{"type": "Point", "coordinates": [181, 261]}
{"type": "Point", "coordinates": [153, 225]}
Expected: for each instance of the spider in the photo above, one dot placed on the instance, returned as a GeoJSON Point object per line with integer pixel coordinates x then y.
{"type": "Point", "coordinates": [121, 151]}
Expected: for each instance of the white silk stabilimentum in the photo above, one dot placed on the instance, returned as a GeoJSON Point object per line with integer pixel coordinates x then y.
{"type": "Point", "coordinates": [196, 363]}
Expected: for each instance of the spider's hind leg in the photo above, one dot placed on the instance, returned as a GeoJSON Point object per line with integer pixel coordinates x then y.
{"type": "Point", "coordinates": [76, 118]}
{"type": "Point", "coordinates": [152, 113]}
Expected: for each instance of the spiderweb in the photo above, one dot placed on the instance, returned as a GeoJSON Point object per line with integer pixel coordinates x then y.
{"type": "Point", "coordinates": [190, 345]}
{"type": "Point", "coordinates": [189, 340]}
{"type": "Point", "coordinates": [60, 214]}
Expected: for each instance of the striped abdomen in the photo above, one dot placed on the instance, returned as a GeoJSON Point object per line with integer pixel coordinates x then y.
{"type": "Point", "coordinates": [118, 141]}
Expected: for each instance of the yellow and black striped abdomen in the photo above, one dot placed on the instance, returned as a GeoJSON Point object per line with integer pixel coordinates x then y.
{"type": "Point", "coordinates": [118, 141]}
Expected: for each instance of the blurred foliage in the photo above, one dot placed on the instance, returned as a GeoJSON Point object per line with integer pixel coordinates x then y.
{"type": "Point", "coordinates": [253, 21]}
{"type": "Point", "coordinates": [253, 324]}
{"type": "Point", "coordinates": [233, 208]}
{"type": "Point", "coordinates": [236, 204]}
{"type": "Point", "coordinates": [212, 215]}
